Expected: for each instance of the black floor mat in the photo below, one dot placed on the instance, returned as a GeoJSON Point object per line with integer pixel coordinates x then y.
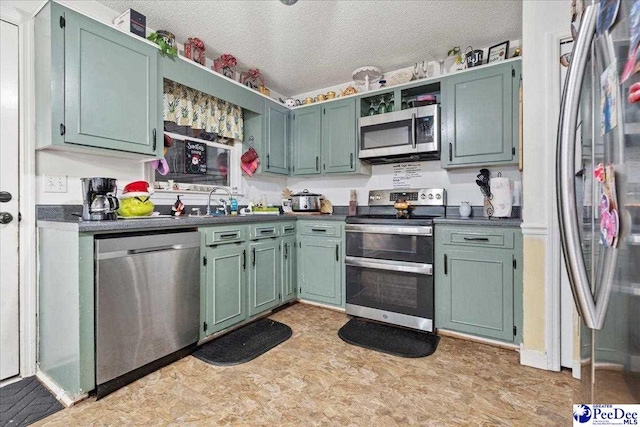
{"type": "Point", "coordinates": [25, 402]}
{"type": "Point", "coordinates": [244, 344]}
{"type": "Point", "coordinates": [389, 339]}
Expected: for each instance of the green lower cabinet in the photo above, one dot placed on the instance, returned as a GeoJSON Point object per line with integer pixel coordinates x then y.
{"type": "Point", "coordinates": [289, 265]}
{"type": "Point", "coordinates": [264, 275]}
{"type": "Point", "coordinates": [226, 286]}
{"type": "Point", "coordinates": [320, 269]}
{"type": "Point", "coordinates": [478, 281]}
{"type": "Point", "coordinates": [476, 295]}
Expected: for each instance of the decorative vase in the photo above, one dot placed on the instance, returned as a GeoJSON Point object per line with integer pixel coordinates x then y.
{"type": "Point", "coordinates": [465, 209]}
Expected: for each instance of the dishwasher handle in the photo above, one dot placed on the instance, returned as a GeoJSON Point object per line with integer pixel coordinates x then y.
{"type": "Point", "coordinates": [160, 249]}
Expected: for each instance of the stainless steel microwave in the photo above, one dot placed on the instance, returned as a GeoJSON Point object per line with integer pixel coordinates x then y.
{"type": "Point", "coordinates": [401, 136]}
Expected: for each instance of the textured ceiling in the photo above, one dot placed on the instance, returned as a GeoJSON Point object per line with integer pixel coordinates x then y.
{"type": "Point", "coordinates": [314, 44]}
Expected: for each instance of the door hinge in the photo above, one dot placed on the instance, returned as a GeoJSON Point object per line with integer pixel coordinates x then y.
{"type": "Point", "coordinates": [299, 290]}
{"type": "Point", "coordinates": [204, 326]}
{"type": "Point", "coordinates": [294, 117]}
{"type": "Point", "coordinates": [514, 264]}
{"type": "Point", "coordinates": [63, 22]}
{"type": "Point", "coordinates": [63, 129]}
{"type": "Point", "coordinates": [294, 168]}
{"type": "Point", "coordinates": [204, 261]}
{"type": "Point", "coordinates": [513, 72]}
{"type": "Point", "coordinates": [279, 296]}
{"type": "Point", "coordinates": [513, 151]}
{"type": "Point", "coordinates": [324, 111]}
{"type": "Point", "coordinates": [300, 243]}
{"type": "Point", "coordinates": [515, 330]}
{"type": "Point", "coordinates": [445, 263]}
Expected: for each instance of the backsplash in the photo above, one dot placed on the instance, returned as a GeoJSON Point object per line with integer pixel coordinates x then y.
{"type": "Point", "coordinates": [459, 183]}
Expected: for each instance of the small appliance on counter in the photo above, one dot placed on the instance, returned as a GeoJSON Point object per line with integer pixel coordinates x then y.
{"type": "Point", "coordinates": [306, 202]}
{"type": "Point", "coordinates": [99, 201]}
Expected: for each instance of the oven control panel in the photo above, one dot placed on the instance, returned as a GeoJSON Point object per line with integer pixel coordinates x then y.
{"type": "Point", "coordinates": [422, 197]}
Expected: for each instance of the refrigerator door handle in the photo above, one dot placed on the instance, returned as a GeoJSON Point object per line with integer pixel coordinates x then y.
{"type": "Point", "coordinates": [592, 313]}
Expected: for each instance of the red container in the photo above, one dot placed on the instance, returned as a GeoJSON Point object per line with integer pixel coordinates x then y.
{"type": "Point", "coordinates": [194, 50]}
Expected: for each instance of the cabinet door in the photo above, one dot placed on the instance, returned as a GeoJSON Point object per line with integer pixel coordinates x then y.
{"type": "Point", "coordinates": [339, 136]}
{"type": "Point", "coordinates": [277, 159]}
{"type": "Point", "coordinates": [289, 268]}
{"type": "Point", "coordinates": [474, 293]}
{"type": "Point", "coordinates": [478, 120]}
{"type": "Point", "coordinates": [111, 88]}
{"type": "Point", "coordinates": [320, 269]}
{"type": "Point", "coordinates": [264, 275]}
{"type": "Point", "coordinates": [226, 279]}
{"type": "Point", "coordinates": [306, 140]}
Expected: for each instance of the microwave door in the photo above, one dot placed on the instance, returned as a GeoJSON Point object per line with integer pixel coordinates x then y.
{"type": "Point", "coordinates": [388, 134]}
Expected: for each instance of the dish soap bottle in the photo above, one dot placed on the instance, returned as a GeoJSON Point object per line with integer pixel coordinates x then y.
{"type": "Point", "coordinates": [177, 208]}
{"type": "Point", "coordinates": [234, 206]}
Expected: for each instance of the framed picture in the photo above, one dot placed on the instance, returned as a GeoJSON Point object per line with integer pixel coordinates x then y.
{"type": "Point", "coordinates": [498, 52]}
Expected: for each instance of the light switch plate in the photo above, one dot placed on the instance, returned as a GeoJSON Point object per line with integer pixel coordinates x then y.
{"type": "Point", "coordinates": [55, 184]}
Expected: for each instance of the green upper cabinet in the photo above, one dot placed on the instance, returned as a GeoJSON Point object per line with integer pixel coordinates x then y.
{"type": "Point", "coordinates": [479, 121]}
{"type": "Point", "coordinates": [320, 269]}
{"type": "Point", "coordinates": [276, 139]}
{"type": "Point", "coordinates": [104, 92]}
{"type": "Point", "coordinates": [225, 286]}
{"type": "Point", "coordinates": [264, 275]}
{"type": "Point", "coordinates": [307, 142]}
{"type": "Point", "coordinates": [339, 136]}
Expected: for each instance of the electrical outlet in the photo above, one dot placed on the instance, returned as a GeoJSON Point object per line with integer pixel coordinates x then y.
{"type": "Point", "coordinates": [55, 184]}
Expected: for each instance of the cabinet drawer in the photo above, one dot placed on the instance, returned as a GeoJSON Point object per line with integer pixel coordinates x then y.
{"type": "Point", "coordinates": [309, 228]}
{"type": "Point", "coordinates": [503, 239]}
{"type": "Point", "coordinates": [264, 231]}
{"type": "Point", "coordinates": [222, 235]}
{"type": "Point", "coordinates": [288, 229]}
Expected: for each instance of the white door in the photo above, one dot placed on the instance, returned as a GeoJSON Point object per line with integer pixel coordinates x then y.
{"type": "Point", "coordinates": [9, 122]}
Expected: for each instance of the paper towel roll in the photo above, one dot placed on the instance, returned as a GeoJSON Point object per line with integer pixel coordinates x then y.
{"type": "Point", "coordinates": [502, 198]}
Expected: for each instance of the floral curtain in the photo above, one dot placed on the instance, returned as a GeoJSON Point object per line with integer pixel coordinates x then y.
{"type": "Point", "coordinates": [188, 107]}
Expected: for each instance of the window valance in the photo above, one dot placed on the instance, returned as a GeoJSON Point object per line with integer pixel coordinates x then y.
{"type": "Point", "coordinates": [188, 107]}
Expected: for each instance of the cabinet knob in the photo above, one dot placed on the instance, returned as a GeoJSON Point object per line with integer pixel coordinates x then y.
{"type": "Point", "coordinates": [5, 217]}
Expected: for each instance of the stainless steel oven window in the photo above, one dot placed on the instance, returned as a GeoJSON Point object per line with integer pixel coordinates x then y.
{"type": "Point", "coordinates": [393, 291]}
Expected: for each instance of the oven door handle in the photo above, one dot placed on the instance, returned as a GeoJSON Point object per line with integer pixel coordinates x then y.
{"type": "Point", "coordinates": [380, 229]}
{"type": "Point", "coordinates": [379, 264]}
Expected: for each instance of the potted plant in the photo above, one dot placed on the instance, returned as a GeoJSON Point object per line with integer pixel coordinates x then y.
{"type": "Point", "coordinates": [166, 41]}
{"type": "Point", "coordinates": [455, 60]}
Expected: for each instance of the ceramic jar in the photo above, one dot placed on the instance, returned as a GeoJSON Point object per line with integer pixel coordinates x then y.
{"type": "Point", "coordinates": [465, 209]}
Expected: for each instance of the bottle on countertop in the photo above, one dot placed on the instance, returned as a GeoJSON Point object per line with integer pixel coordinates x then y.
{"type": "Point", "coordinates": [353, 203]}
{"type": "Point", "coordinates": [177, 208]}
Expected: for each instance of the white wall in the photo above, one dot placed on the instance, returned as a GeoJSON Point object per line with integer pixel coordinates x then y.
{"type": "Point", "coordinates": [544, 22]}
{"type": "Point", "coordinates": [460, 184]}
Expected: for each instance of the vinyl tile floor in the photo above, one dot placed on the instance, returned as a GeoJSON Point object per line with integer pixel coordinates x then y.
{"type": "Point", "coordinates": [315, 378]}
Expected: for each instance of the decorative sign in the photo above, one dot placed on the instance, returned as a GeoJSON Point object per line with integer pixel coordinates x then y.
{"type": "Point", "coordinates": [407, 175]}
{"type": "Point", "coordinates": [195, 158]}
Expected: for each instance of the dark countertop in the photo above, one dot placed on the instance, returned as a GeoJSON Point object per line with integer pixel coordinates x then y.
{"type": "Point", "coordinates": [480, 221]}
{"type": "Point", "coordinates": [74, 224]}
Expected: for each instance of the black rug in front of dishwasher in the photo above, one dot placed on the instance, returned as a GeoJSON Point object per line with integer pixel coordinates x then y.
{"type": "Point", "coordinates": [25, 402]}
{"type": "Point", "coordinates": [244, 344]}
{"type": "Point", "coordinates": [389, 339]}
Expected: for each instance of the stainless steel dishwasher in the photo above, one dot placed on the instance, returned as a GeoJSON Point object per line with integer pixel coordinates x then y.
{"type": "Point", "coordinates": [147, 304]}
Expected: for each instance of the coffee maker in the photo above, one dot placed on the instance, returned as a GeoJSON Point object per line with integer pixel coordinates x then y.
{"type": "Point", "coordinates": [99, 201]}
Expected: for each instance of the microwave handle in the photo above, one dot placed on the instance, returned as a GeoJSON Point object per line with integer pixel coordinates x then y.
{"type": "Point", "coordinates": [413, 130]}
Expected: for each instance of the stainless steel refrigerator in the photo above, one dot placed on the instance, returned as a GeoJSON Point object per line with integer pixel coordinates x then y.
{"type": "Point", "coordinates": [605, 280]}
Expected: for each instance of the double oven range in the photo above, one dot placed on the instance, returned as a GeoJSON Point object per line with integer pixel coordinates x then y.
{"type": "Point", "coordinates": [389, 260]}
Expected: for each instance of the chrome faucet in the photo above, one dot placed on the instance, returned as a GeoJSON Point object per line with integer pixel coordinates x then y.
{"type": "Point", "coordinates": [223, 201]}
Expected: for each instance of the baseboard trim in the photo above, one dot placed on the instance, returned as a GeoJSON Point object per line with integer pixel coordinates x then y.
{"type": "Point", "coordinates": [533, 358]}
{"type": "Point", "coordinates": [480, 340]}
{"type": "Point", "coordinates": [58, 392]}
{"type": "Point", "coordinates": [321, 305]}
{"type": "Point", "coordinates": [576, 370]}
